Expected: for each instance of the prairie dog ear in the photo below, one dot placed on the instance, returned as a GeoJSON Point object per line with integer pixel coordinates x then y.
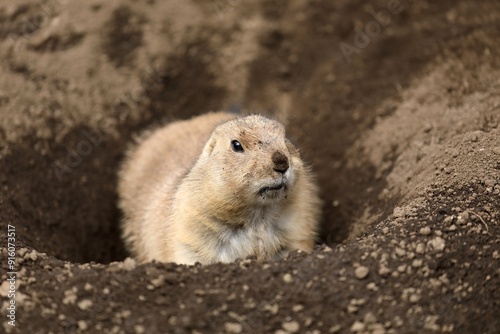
{"type": "Point", "coordinates": [209, 147]}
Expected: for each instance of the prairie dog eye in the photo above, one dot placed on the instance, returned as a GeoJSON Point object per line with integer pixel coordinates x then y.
{"type": "Point", "coordinates": [236, 146]}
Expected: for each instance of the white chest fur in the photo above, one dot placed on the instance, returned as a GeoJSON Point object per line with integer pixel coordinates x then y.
{"type": "Point", "coordinates": [261, 238]}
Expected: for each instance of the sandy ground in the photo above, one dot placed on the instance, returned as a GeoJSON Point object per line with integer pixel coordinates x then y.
{"type": "Point", "coordinates": [396, 106]}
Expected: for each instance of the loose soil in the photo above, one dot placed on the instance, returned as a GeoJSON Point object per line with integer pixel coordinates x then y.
{"type": "Point", "coordinates": [402, 131]}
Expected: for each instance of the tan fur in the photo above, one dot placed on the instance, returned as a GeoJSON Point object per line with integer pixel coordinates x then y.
{"type": "Point", "coordinates": [188, 197]}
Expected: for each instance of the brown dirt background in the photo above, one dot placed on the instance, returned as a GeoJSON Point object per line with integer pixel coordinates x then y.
{"type": "Point", "coordinates": [404, 139]}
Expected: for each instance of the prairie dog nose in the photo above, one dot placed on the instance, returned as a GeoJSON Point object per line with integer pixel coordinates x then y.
{"type": "Point", "coordinates": [280, 162]}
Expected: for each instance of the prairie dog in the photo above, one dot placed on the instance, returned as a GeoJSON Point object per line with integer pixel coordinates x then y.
{"type": "Point", "coordinates": [216, 188]}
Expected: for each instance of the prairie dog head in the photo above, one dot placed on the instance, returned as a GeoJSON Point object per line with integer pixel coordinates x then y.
{"type": "Point", "coordinates": [249, 161]}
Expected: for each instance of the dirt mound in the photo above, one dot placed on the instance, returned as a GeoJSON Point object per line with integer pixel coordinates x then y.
{"type": "Point", "coordinates": [396, 105]}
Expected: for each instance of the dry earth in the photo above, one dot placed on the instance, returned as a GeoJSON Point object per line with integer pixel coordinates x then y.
{"type": "Point", "coordinates": [399, 120]}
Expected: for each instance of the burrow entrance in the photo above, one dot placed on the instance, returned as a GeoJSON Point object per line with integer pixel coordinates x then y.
{"type": "Point", "coordinates": [61, 192]}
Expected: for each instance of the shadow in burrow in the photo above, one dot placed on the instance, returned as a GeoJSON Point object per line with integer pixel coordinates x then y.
{"type": "Point", "coordinates": [335, 99]}
{"type": "Point", "coordinates": [64, 201]}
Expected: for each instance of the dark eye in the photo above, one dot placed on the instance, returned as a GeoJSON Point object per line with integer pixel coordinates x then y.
{"type": "Point", "coordinates": [236, 146]}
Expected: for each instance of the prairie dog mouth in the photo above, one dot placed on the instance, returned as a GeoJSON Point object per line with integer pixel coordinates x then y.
{"type": "Point", "coordinates": [272, 188]}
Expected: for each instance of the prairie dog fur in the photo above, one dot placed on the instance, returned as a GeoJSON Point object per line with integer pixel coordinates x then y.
{"type": "Point", "coordinates": [216, 188]}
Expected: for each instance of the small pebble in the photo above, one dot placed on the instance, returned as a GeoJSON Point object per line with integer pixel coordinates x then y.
{"type": "Point", "coordinates": [414, 298]}
{"type": "Point", "coordinates": [159, 281]}
{"type": "Point", "coordinates": [84, 304]}
{"type": "Point", "coordinates": [425, 230]}
{"type": "Point", "coordinates": [438, 243]}
{"type": "Point", "coordinates": [357, 327]}
{"type": "Point", "coordinates": [22, 251]}
{"type": "Point", "coordinates": [126, 313]}
{"type": "Point", "coordinates": [335, 329]}
{"type": "Point", "coordinates": [400, 251]}
{"type": "Point", "coordinates": [33, 255]}
{"type": "Point", "coordinates": [274, 308]}
{"type": "Point", "coordinates": [139, 329]}
{"type": "Point", "coordinates": [463, 218]}
{"type": "Point", "coordinates": [82, 325]}
{"type": "Point", "coordinates": [69, 296]}
{"type": "Point", "coordinates": [4, 289]}
{"type": "Point", "coordinates": [233, 327]}
{"type": "Point", "coordinates": [129, 264]}
{"type": "Point", "coordinates": [416, 263]}
{"type": "Point", "coordinates": [361, 272]}
{"type": "Point", "coordinates": [377, 329]}
{"type": "Point", "coordinates": [287, 278]}
{"type": "Point", "coordinates": [291, 326]}
{"type": "Point", "coordinates": [489, 183]}
{"type": "Point", "coordinates": [384, 271]}
{"type": "Point", "coordinates": [473, 136]}
{"type": "Point", "coordinates": [352, 308]}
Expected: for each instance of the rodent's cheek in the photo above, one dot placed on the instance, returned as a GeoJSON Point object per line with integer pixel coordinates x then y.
{"type": "Point", "coordinates": [255, 185]}
{"type": "Point", "coordinates": [218, 179]}
{"type": "Point", "coordinates": [220, 175]}
{"type": "Point", "coordinates": [238, 180]}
